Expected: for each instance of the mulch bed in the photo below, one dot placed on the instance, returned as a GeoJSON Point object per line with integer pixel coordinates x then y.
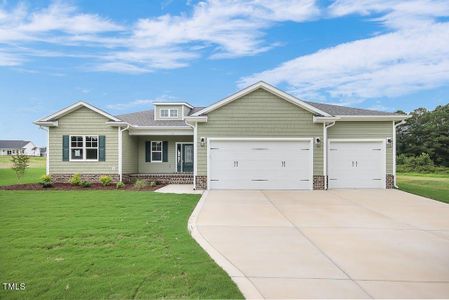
{"type": "Point", "coordinates": [69, 187]}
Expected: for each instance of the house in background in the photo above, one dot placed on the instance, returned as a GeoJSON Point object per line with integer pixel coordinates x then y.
{"type": "Point", "coordinates": [12, 147]}
{"type": "Point", "coordinates": [43, 151]}
{"type": "Point", "coordinates": [257, 138]}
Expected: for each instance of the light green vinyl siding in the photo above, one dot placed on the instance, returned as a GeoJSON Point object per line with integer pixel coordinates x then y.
{"type": "Point", "coordinates": [365, 130]}
{"type": "Point", "coordinates": [160, 167]}
{"type": "Point", "coordinates": [83, 122]}
{"type": "Point", "coordinates": [159, 107]}
{"type": "Point", "coordinates": [259, 114]}
{"type": "Point", "coordinates": [130, 153]}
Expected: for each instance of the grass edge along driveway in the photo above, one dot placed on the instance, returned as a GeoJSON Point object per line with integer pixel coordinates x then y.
{"type": "Point", "coordinates": [104, 244]}
{"type": "Point", "coordinates": [434, 186]}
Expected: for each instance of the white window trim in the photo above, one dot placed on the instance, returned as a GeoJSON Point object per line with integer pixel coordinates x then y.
{"type": "Point", "coordinates": [169, 110]}
{"type": "Point", "coordinates": [84, 148]}
{"type": "Point", "coordinates": [162, 151]}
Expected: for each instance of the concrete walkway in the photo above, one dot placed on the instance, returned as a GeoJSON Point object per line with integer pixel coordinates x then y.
{"type": "Point", "coordinates": [327, 244]}
{"type": "Point", "coordinates": [179, 189]}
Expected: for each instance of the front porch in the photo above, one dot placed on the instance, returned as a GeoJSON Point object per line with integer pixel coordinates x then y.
{"type": "Point", "coordinates": [170, 178]}
{"type": "Point", "coordinates": [162, 158]}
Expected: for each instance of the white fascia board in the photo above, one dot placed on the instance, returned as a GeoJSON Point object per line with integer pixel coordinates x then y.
{"type": "Point", "coordinates": [373, 118]}
{"type": "Point", "coordinates": [195, 119]}
{"type": "Point", "coordinates": [268, 88]}
{"type": "Point", "coordinates": [163, 132]}
{"type": "Point", "coordinates": [137, 127]}
{"type": "Point", "coordinates": [46, 123]}
{"type": "Point", "coordinates": [120, 123]}
{"type": "Point", "coordinates": [325, 119]}
{"type": "Point", "coordinates": [173, 103]}
{"type": "Point", "coordinates": [75, 106]}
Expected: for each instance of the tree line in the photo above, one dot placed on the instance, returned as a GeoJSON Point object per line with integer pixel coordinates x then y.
{"type": "Point", "coordinates": [426, 131]}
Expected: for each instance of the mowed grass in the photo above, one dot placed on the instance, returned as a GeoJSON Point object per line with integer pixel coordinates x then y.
{"type": "Point", "coordinates": [35, 162]}
{"type": "Point", "coordinates": [32, 174]}
{"type": "Point", "coordinates": [104, 244]}
{"type": "Point", "coordinates": [434, 186]}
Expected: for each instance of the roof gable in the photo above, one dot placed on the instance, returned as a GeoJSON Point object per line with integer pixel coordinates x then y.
{"type": "Point", "coordinates": [75, 107]}
{"type": "Point", "coordinates": [13, 144]}
{"type": "Point", "coordinates": [271, 89]}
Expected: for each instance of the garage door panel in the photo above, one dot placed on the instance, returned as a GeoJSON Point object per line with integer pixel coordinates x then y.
{"type": "Point", "coordinates": [355, 164]}
{"type": "Point", "coordinates": [260, 165]}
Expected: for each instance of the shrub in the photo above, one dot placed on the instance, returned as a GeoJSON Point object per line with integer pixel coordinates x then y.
{"type": "Point", "coordinates": [46, 181]}
{"type": "Point", "coordinates": [105, 180]}
{"type": "Point", "coordinates": [75, 179]}
{"type": "Point", "coordinates": [19, 164]}
{"type": "Point", "coordinates": [140, 184]}
{"type": "Point", "coordinates": [153, 183]}
{"type": "Point", "coordinates": [85, 184]}
{"type": "Point", "coordinates": [120, 185]}
{"type": "Point", "coordinates": [420, 164]}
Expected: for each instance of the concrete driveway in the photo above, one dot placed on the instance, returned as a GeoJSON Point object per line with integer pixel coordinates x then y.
{"type": "Point", "coordinates": [327, 244]}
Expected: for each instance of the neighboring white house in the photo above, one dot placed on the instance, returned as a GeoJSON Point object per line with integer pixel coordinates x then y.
{"type": "Point", "coordinates": [12, 147]}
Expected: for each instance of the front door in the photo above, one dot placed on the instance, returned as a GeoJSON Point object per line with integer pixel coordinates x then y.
{"type": "Point", "coordinates": [184, 159]}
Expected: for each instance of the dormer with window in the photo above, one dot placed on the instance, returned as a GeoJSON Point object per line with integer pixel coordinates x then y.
{"type": "Point", "coordinates": [171, 111]}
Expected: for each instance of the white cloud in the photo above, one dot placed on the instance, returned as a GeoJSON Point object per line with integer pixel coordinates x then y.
{"type": "Point", "coordinates": [215, 29]}
{"type": "Point", "coordinates": [400, 62]}
{"type": "Point", "coordinates": [9, 59]}
{"type": "Point", "coordinates": [396, 14]}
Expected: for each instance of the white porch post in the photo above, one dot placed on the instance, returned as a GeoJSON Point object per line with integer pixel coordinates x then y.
{"type": "Point", "coordinates": [195, 153]}
{"type": "Point", "coordinates": [120, 173]}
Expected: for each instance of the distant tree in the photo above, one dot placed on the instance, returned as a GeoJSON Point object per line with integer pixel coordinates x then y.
{"type": "Point", "coordinates": [426, 132]}
{"type": "Point", "coordinates": [19, 164]}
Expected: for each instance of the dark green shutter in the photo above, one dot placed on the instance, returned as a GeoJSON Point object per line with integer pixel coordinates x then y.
{"type": "Point", "coordinates": [147, 151]}
{"type": "Point", "coordinates": [165, 151]}
{"type": "Point", "coordinates": [65, 148]}
{"type": "Point", "coordinates": [102, 148]}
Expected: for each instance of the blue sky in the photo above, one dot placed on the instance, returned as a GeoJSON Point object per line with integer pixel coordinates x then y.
{"type": "Point", "coordinates": [378, 54]}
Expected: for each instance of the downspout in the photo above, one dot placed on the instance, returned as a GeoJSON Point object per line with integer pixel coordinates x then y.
{"type": "Point", "coordinates": [325, 127]}
{"type": "Point", "coordinates": [120, 152]}
{"type": "Point", "coordinates": [194, 152]}
{"type": "Point", "coordinates": [394, 152]}
{"type": "Point", "coordinates": [47, 159]}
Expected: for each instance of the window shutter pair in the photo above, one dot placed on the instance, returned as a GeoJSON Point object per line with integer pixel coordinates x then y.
{"type": "Point", "coordinates": [148, 151]}
{"type": "Point", "coordinates": [101, 148]}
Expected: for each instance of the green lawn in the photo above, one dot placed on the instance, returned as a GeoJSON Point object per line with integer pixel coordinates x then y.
{"type": "Point", "coordinates": [434, 186]}
{"type": "Point", "coordinates": [104, 244]}
{"type": "Point", "coordinates": [35, 162]}
{"type": "Point", "coordinates": [32, 174]}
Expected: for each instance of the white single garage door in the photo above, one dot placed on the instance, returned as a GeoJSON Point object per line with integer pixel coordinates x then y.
{"type": "Point", "coordinates": [356, 164]}
{"type": "Point", "coordinates": [260, 164]}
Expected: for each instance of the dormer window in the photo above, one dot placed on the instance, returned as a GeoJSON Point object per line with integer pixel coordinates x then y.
{"type": "Point", "coordinates": [168, 113]}
{"type": "Point", "coordinates": [173, 113]}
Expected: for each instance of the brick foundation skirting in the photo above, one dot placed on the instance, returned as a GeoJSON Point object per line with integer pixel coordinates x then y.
{"type": "Point", "coordinates": [201, 182]}
{"type": "Point", "coordinates": [390, 181]}
{"type": "Point", "coordinates": [318, 182]}
{"type": "Point", "coordinates": [179, 178]}
{"type": "Point", "coordinates": [65, 178]}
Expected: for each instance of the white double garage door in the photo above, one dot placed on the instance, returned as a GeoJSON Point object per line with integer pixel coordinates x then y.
{"type": "Point", "coordinates": [288, 164]}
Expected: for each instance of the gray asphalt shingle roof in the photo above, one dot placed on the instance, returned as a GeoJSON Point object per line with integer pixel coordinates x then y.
{"type": "Point", "coordinates": [337, 110]}
{"type": "Point", "coordinates": [146, 118]}
{"type": "Point", "coordinates": [13, 144]}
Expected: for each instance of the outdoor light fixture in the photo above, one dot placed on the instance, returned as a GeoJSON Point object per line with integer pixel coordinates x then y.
{"type": "Point", "coordinates": [203, 141]}
{"type": "Point", "coordinates": [317, 140]}
{"type": "Point", "coordinates": [389, 140]}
